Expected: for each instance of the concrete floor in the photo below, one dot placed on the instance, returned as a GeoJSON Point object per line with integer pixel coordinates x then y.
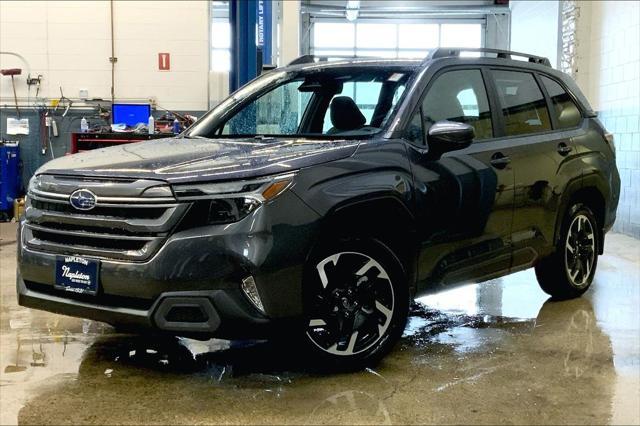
{"type": "Point", "coordinates": [499, 352]}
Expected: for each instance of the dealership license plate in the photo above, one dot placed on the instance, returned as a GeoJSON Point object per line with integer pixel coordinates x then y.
{"type": "Point", "coordinates": [77, 274]}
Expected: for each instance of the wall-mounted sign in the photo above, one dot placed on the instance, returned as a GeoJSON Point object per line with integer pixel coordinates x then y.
{"type": "Point", "coordinates": [264, 37]}
{"type": "Point", "coordinates": [164, 61]}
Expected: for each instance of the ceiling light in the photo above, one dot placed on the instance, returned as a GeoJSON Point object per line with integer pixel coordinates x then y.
{"type": "Point", "coordinates": [352, 9]}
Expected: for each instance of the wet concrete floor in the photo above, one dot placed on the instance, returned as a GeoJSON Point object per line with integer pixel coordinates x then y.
{"type": "Point", "coordinates": [497, 352]}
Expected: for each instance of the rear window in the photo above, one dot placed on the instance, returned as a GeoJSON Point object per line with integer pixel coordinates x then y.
{"type": "Point", "coordinates": [565, 110]}
{"type": "Point", "coordinates": [523, 105]}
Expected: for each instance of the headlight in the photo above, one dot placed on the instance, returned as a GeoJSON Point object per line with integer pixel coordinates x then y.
{"type": "Point", "coordinates": [227, 202]}
{"type": "Point", "coordinates": [230, 210]}
{"type": "Point", "coordinates": [33, 183]}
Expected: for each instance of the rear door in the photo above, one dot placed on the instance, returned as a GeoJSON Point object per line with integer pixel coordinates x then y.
{"type": "Point", "coordinates": [540, 151]}
{"type": "Point", "coordinates": [465, 199]}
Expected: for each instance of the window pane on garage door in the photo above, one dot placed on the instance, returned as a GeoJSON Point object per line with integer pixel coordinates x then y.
{"type": "Point", "coordinates": [418, 36]}
{"type": "Point", "coordinates": [391, 53]}
{"type": "Point", "coordinates": [376, 36]}
{"type": "Point", "coordinates": [461, 35]}
{"type": "Point", "coordinates": [334, 35]}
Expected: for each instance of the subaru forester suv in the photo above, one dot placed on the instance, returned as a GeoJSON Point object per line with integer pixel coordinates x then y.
{"type": "Point", "coordinates": [316, 201]}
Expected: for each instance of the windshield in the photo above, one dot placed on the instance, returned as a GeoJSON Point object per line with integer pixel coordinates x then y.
{"type": "Point", "coordinates": [354, 101]}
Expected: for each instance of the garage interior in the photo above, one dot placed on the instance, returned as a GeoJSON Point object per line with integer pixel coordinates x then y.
{"type": "Point", "coordinates": [497, 352]}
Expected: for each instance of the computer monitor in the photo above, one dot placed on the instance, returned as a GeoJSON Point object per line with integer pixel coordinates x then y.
{"type": "Point", "coordinates": [130, 114]}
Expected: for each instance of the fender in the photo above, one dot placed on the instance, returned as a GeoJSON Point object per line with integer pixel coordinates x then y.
{"type": "Point", "coordinates": [384, 217]}
{"type": "Point", "coordinates": [596, 173]}
{"type": "Point", "coordinates": [377, 169]}
{"type": "Point", "coordinates": [591, 190]}
{"type": "Point", "coordinates": [571, 188]}
{"type": "Point", "coordinates": [372, 190]}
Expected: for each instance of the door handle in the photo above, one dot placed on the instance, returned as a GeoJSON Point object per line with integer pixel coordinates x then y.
{"type": "Point", "coordinates": [499, 160]}
{"type": "Point", "coordinates": [564, 149]}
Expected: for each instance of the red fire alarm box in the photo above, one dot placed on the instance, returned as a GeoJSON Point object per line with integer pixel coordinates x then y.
{"type": "Point", "coordinates": [164, 61]}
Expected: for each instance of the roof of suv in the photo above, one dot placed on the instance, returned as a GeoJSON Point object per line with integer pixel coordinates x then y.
{"type": "Point", "coordinates": [433, 54]}
{"type": "Point", "coordinates": [349, 62]}
{"type": "Point", "coordinates": [492, 57]}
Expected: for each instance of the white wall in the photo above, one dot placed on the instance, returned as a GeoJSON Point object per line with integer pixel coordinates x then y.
{"type": "Point", "coordinates": [534, 28]}
{"type": "Point", "coordinates": [68, 42]}
{"type": "Point", "coordinates": [289, 29]}
{"type": "Point", "coordinates": [609, 52]}
{"type": "Point", "coordinates": [609, 73]}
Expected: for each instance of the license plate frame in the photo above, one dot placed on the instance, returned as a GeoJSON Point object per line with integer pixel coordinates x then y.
{"type": "Point", "coordinates": [77, 274]}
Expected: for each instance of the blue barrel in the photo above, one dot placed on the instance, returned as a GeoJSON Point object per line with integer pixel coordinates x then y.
{"type": "Point", "coordinates": [9, 175]}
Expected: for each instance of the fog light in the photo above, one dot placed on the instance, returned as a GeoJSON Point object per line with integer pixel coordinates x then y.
{"type": "Point", "coordinates": [250, 289]}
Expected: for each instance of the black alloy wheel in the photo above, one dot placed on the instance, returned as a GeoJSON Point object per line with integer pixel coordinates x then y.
{"type": "Point", "coordinates": [357, 303]}
{"type": "Point", "coordinates": [569, 271]}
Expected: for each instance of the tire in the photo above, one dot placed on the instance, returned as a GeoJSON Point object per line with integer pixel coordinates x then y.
{"type": "Point", "coordinates": [356, 299]}
{"type": "Point", "coordinates": [569, 271]}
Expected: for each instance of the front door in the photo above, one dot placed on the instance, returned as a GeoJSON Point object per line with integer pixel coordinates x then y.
{"type": "Point", "coordinates": [464, 200]}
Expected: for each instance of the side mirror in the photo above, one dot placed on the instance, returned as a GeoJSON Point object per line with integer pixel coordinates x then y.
{"type": "Point", "coordinates": [445, 136]}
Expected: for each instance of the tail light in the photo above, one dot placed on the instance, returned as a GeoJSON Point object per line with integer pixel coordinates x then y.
{"type": "Point", "coordinates": [610, 140]}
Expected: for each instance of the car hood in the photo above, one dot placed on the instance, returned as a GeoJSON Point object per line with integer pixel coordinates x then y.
{"type": "Point", "coordinates": [178, 160]}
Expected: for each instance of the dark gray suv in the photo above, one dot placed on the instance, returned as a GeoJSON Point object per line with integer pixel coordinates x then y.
{"type": "Point", "coordinates": [319, 199]}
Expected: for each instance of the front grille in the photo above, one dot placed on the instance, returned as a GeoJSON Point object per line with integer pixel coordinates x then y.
{"type": "Point", "coordinates": [122, 225]}
{"type": "Point", "coordinates": [56, 226]}
{"type": "Point", "coordinates": [117, 212]}
{"type": "Point", "coordinates": [90, 242]}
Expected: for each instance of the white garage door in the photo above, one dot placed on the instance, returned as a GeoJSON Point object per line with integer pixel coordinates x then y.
{"type": "Point", "coordinates": [391, 40]}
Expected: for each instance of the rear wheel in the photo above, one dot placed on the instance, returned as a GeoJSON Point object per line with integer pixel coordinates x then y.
{"type": "Point", "coordinates": [568, 272]}
{"type": "Point", "coordinates": [356, 302]}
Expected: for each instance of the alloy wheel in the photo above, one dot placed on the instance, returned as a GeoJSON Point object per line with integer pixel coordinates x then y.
{"type": "Point", "coordinates": [352, 306]}
{"type": "Point", "coordinates": [580, 250]}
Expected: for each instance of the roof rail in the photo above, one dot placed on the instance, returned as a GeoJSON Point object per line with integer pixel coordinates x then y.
{"type": "Point", "coordinates": [445, 52]}
{"type": "Point", "coordinates": [310, 59]}
{"type": "Point", "coordinates": [304, 59]}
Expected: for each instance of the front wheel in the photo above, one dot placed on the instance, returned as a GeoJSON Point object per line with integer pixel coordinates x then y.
{"type": "Point", "coordinates": [356, 303]}
{"type": "Point", "coordinates": [568, 272]}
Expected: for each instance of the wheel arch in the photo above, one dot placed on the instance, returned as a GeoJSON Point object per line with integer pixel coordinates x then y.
{"type": "Point", "coordinates": [591, 195]}
{"type": "Point", "coordinates": [384, 218]}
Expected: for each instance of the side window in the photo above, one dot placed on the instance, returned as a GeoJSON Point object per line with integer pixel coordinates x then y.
{"type": "Point", "coordinates": [366, 95]}
{"type": "Point", "coordinates": [523, 105]}
{"type": "Point", "coordinates": [565, 110]}
{"type": "Point", "coordinates": [459, 96]}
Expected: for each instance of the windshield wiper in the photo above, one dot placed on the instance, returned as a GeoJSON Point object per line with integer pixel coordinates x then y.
{"type": "Point", "coordinates": [263, 138]}
{"type": "Point", "coordinates": [195, 137]}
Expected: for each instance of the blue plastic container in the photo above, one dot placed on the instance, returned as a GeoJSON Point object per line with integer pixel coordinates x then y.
{"type": "Point", "coordinates": [9, 175]}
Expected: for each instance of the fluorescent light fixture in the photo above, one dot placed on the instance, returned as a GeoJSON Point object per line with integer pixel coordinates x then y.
{"type": "Point", "coordinates": [352, 10]}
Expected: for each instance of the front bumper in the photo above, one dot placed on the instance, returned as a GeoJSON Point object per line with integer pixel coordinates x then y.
{"type": "Point", "coordinates": [199, 270]}
{"type": "Point", "coordinates": [221, 312]}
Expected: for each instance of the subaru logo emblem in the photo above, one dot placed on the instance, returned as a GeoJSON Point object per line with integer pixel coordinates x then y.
{"type": "Point", "coordinates": [83, 199]}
